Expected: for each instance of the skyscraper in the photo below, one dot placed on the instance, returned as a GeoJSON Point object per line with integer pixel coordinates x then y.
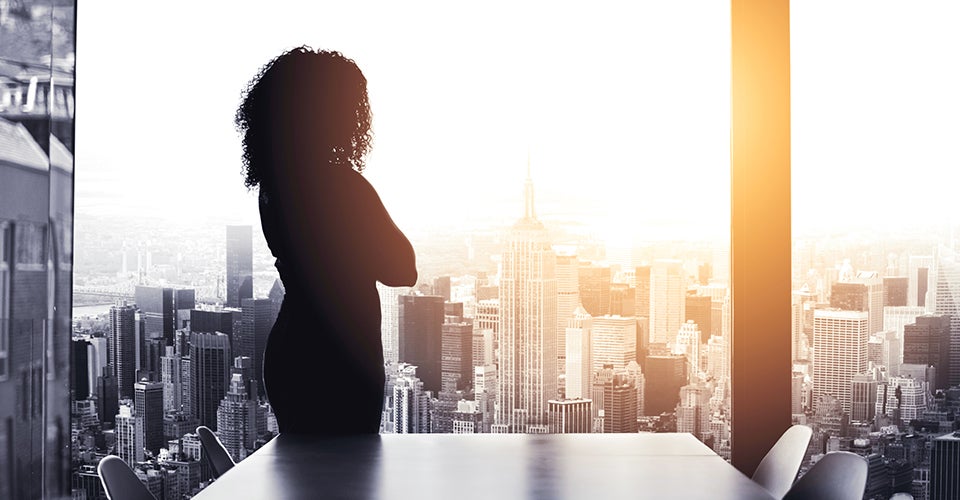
{"type": "Point", "coordinates": [862, 292]}
{"type": "Point", "coordinates": [594, 290]}
{"type": "Point", "coordinates": [456, 363]}
{"type": "Point", "coordinates": [895, 290]}
{"type": "Point", "coordinates": [528, 324]}
{"type": "Point", "coordinates": [421, 337]}
{"type": "Point", "coordinates": [122, 351]}
{"type": "Point", "coordinates": [258, 317]}
{"type": "Point", "coordinates": [927, 342]}
{"type": "Point", "coordinates": [568, 298]}
{"type": "Point", "coordinates": [688, 344]}
{"type": "Point", "coordinates": [944, 464]}
{"type": "Point", "coordinates": [570, 416]}
{"type": "Point", "coordinates": [699, 309]}
{"type": "Point", "coordinates": [239, 264]}
{"type": "Point", "coordinates": [148, 412]}
{"type": "Point", "coordinates": [236, 416]}
{"type": "Point", "coordinates": [665, 375]}
{"type": "Point", "coordinates": [164, 310]}
{"type": "Point", "coordinates": [614, 342]}
{"type": "Point", "coordinates": [947, 301]}
{"type": "Point", "coordinates": [411, 415]}
{"type": "Point", "coordinates": [667, 300]}
{"type": "Point", "coordinates": [210, 366]}
{"type": "Point", "coordinates": [390, 319]}
{"type": "Point", "coordinates": [579, 376]}
{"type": "Point", "coordinates": [129, 446]}
{"type": "Point", "coordinates": [840, 344]}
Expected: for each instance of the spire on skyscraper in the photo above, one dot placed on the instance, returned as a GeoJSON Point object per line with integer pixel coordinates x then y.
{"type": "Point", "coordinates": [528, 211]}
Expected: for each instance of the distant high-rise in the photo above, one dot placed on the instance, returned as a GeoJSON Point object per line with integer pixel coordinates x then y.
{"type": "Point", "coordinates": [594, 287]}
{"type": "Point", "coordinates": [895, 290]}
{"type": "Point", "coordinates": [614, 342]}
{"type": "Point", "coordinates": [107, 395]}
{"type": "Point", "coordinates": [570, 416]}
{"type": "Point", "coordinates": [947, 301]}
{"type": "Point", "coordinates": [171, 378]}
{"type": "Point", "coordinates": [840, 343]}
{"type": "Point", "coordinates": [239, 264]}
{"type": "Point", "coordinates": [488, 316]}
{"type": "Point", "coordinates": [693, 412]}
{"type": "Point", "coordinates": [920, 280]}
{"type": "Point", "coordinates": [667, 300]}
{"type": "Point", "coordinates": [688, 344]}
{"type": "Point", "coordinates": [80, 365]}
{"type": "Point", "coordinates": [390, 320]}
{"type": "Point", "coordinates": [210, 359]}
{"type": "Point", "coordinates": [441, 287]}
{"type": "Point", "coordinates": [615, 400]}
{"type": "Point", "coordinates": [411, 415]}
{"type": "Point", "coordinates": [863, 398]}
{"type": "Point", "coordinates": [148, 412]}
{"type": "Point", "coordinates": [122, 350]}
{"type": "Point", "coordinates": [164, 310]}
{"type": "Point", "coordinates": [456, 364]}
{"type": "Point", "coordinates": [528, 324]}
{"type": "Point", "coordinates": [579, 370]}
{"type": "Point", "coordinates": [129, 446]}
{"type": "Point", "coordinates": [927, 342]}
{"type": "Point", "coordinates": [568, 298]}
{"type": "Point", "coordinates": [863, 292]}
{"type": "Point", "coordinates": [258, 317]}
{"type": "Point", "coordinates": [699, 309]}
{"type": "Point", "coordinates": [237, 414]}
{"type": "Point", "coordinates": [665, 375]}
{"type": "Point", "coordinates": [224, 320]}
{"type": "Point", "coordinates": [945, 467]}
{"type": "Point", "coordinates": [421, 337]}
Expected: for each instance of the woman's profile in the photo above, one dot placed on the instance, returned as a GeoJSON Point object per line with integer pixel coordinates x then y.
{"type": "Point", "coordinates": [305, 121]}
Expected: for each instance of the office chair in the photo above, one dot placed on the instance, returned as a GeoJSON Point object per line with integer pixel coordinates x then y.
{"type": "Point", "coordinates": [213, 449]}
{"type": "Point", "coordinates": [839, 475]}
{"type": "Point", "coordinates": [780, 465]}
{"type": "Point", "coordinates": [120, 482]}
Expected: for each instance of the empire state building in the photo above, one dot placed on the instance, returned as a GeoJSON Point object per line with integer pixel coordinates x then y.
{"type": "Point", "coordinates": [528, 325]}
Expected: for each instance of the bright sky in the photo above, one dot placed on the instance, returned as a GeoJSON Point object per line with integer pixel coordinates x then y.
{"type": "Point", "coordinates": [624, 110]}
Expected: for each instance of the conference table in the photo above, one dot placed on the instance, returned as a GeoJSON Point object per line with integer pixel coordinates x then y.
{"type": "Point", "coordinates": [487, 466]}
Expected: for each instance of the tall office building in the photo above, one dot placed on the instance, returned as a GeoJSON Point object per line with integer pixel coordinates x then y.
{"type": "Point", "coordinates": [642, 294]}
{"type": "Point", "coordinates": [162, 311]}
{"type": "Point", "coordinates": [107, 395]}
{"type": "Point", "coordinates": [485, 392]}
{"type": "Point", "coordinates": [927, 342]}
{"type": "Point", "coordinates": [482, 347]}
{"type": "Point", "coordinates": [840, 343]}
{"type": "Point", "coordinates": [420, 338]}
{"type": "Point", "coordinates": [921, 280]}
{"type": "Point", "coordinates": [693, 412]}
{"type": "Point", "coordinates": [688, 344]}
{"type": "Point", "coordinates": [863, 291]}
{"type": "Point", "coordinates": [594, 288]}
{"type": "Point", "coordinates": [947, 301]}
{"type": "Point", "coordinates": [863, 397]}
{"type": "Point", "coordinates": [664, 375]}
{"type": "Point", "coordinates": [257, 319]}
{"type": "Point", "coordinates": [615, 400]}
{"type": "Point", "coordinates": [237, 417]}
{"type": "Point", "coordinates": [667, 300]}
{"type": "Point", "coordinates": [148, 414]}
{"type": "Point", "coordinates": [456, 360]}
{"type": "Point", "coordinates": [895, 291]}
{"type": "Point", "coordinates": [210, 359]}
{"type": "Point", "coordinates": [122, 350]}
{"type": "Point", "coordinates": [579, 370]}
{"type": "Point", "coordinates": [614, 342]}
{"type": "Point", "coordinates": [944, 467]}
{"type": "Point", "coordinates": [623, 300]}
{"type": "Point", "coordinates": [699, 309]}
{"type": "Point", "coordinates": [528, 324]}
{"type": "Point", "coordinates": [170, 377]}
{"type": "Point", "coordinates": [570, 416]}
{"type": "Point", "coordinates": [411, 406]}
{"type": "Point", "coordinates": [568, 298]}
{"type": "Point", "coordinates": [239, 264]}
{"type": "Point", "coordinates": [390, 319]}
{"type": "Point", "coordinates": [129, 446]}
{"type": "Point", "coordinates": [902, 398]}
{"type": "Point", "coordinates": [81, 354]}
{"type": "Point", "coordinates": [218, 319]}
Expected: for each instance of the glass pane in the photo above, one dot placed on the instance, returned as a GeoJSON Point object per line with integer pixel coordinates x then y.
{"type": "Point", "coordinates": [36, 213]}
{"type": "Point", "coordinates": [876, 332]}
{"type": "Point", "coordinates": [562, 173]}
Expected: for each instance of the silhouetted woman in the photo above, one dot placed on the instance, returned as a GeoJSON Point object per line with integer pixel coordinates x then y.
{"type": "Point", "coordinates": [305, 120]}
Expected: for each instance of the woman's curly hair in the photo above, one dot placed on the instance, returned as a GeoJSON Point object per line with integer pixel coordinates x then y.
{"type": "Point", "coordinates": [320, 94]}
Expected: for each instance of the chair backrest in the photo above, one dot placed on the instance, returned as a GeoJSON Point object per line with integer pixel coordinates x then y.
{"type": "Point", "coordinates": [839, 475]}
{"type": "Point", "coordinates": [213, 449]}
{"type": "Point", "coordinates": [780, 465]}
{"type": "Point", "coordinates": [120, 482]}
